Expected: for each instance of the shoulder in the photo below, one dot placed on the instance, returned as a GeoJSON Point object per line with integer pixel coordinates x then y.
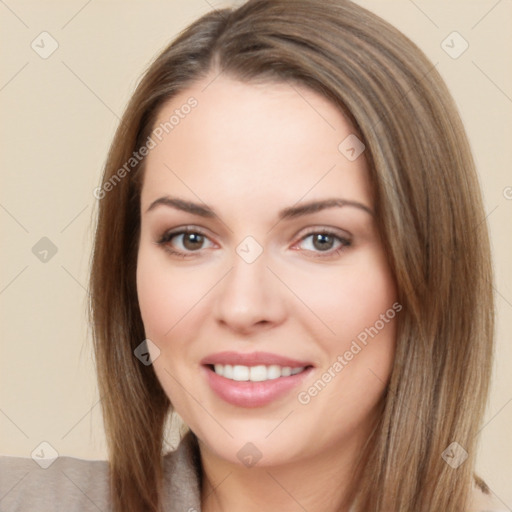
{"type": "Point", "coordinates": [182, 476]}
{"type": "Point", "coordinates": [74, 485]}
{"type": "Point", "coordinates": [69, 484]}
{"type": "Point", "coordinates": [483, 500]}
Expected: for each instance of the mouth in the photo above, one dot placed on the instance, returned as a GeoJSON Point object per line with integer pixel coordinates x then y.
{"type": "Point", "coordinates": [253, 380]}
{"type": "Point", "coordinates": [259, 373]}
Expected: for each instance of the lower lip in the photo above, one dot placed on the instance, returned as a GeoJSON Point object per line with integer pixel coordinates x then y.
{"type": "Point", "coordinates": [252, 394]}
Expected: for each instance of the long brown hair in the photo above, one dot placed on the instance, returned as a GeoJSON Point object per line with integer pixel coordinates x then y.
{"type": "Point", "coordinates": [429, 212]}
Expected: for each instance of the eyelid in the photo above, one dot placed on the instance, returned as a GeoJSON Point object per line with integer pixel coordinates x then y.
{"type": "Point", "coordinates": [342, 233]}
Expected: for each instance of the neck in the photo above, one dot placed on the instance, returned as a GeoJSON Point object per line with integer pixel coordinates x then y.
{"type": "Point", "coordinates": [324, 483]}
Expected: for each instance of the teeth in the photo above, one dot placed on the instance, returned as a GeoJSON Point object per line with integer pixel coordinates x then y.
{"type": "Point", "coordinates": [228, 371]}
{"type": "Point", "coordinates": [240, 372]}
{"type": "Point", "coordinates": [258, 373]}
{"type": "Point", "coordinates": [286, 371]}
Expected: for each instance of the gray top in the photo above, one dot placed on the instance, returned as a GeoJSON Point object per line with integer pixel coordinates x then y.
{"type": "Point", "coordinates": [70, 484]}
{"type": "Point", "coordinates": [77, 485]}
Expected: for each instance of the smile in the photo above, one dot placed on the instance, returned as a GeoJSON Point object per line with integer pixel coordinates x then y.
{"type": "Point", "coordinates": [253, 380]}
{"type": "Point", "coordinates": [259, 373]}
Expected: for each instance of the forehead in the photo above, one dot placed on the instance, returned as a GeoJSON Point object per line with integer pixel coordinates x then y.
{"type": "Point", "coordinates": [258, 140]}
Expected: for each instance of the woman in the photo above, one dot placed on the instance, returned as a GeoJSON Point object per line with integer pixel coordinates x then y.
{"type": "Point", "coordinates": [290, 254]}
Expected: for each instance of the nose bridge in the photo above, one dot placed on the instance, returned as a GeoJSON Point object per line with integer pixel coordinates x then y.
{"type": "Point", "coordinates": [248, 295]}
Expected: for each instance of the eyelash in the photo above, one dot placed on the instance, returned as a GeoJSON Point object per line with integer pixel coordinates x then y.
{"type": "Point", "coordinates": [166, 238]}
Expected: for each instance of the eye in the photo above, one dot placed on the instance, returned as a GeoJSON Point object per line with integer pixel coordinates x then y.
{"type": "Point", "coordinates": [324, 242]}
{"type": "Point", "coordinates": [184, 242]}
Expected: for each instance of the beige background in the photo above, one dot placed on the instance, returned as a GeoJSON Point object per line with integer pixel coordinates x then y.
{"type": "Point", "coordinates": [58, 118]}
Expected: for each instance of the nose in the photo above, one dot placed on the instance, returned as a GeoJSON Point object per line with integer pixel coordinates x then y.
{"type": "Point", "coordinates": [249, 298]}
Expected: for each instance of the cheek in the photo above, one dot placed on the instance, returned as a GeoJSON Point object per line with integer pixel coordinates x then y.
{"type": "Point", "coordinates": [157, 301]}
{"type": "Point", "coordinates": [350, 300]}
{"type": "Point", "coordinates": [165, 297]}
{"type": "Point", "coordinates": [365, 300]}
{"type": "Point", "coordinates": [165, 294]}
{"type": "Point", "coordinates": [357, 336]}
{"type": "Point", "coordinates": [357, 360]}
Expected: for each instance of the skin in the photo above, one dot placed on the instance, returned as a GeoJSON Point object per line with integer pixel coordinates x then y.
{"type": "Point", "coordinates": [249, 151]}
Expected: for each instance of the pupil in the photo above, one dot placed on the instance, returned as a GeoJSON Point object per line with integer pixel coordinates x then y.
{"type": "Point", "coordinates": [322, 242]}
{"type": "Point", "coordinates": [192, 241]}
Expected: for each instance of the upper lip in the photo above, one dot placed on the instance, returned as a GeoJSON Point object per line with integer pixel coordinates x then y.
{"type": "Point", "coordinates": [252, 359]}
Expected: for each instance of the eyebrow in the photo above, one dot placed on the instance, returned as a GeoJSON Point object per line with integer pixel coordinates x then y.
{"type": "Point", "coordinates": [310, 207]}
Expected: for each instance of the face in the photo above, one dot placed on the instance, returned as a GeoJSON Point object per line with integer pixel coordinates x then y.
{"type": "Point", "coordinates": [261, 277]}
